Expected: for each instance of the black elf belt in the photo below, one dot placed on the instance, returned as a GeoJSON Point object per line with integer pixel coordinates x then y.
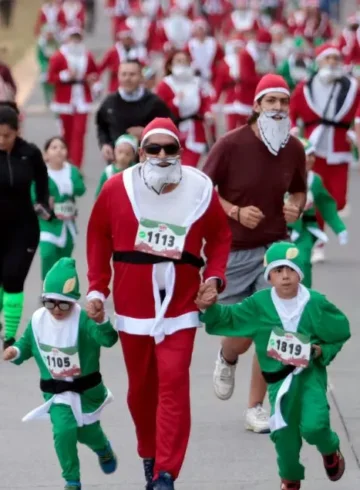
{"type": "Point", "coordinates": [79, 385]}
{"type": "Point", "coordinates": [142, 258]}
{"type": "Point", "coordinates": [271, 378]}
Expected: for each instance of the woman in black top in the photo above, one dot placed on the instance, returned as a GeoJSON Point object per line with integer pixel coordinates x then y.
{"type": "Point", "coordinates": [21, 163]}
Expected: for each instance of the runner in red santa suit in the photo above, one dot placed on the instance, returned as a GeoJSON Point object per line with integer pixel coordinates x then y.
{"type": "Point", "coordinates": [143, 28]}
{"type": "Point", "coordinates": [182, 92]}
{"type": "Point", "coordinates": [49, 15]}
{"type": "Point", "coordinates": [174, 31]}
{"type": "Point", "coordinates": [256, 60]}
{"type": "Point", "coordinates": [311, 22]}
{"type": "Point", "coordinates": [152, 220]}
{"type": "Point", "coordinates": [125, 49]}
{"type": "Point", "coordinates": [118, 10]}
{"type": "Point", "coordinates": [349, 44]}
{"type": "Point", "coordinates": [216, 12]}
{"type": "Point", "coordinates": [326, 105]}
{"type": "Point", "coordinates": [74, 74]}
{"type": "Point", "coordinates": [241, 19]}
{"type": "Point", "coordinates": [204, 50]}
{"type": "Point", "coordinates": [72, 14]}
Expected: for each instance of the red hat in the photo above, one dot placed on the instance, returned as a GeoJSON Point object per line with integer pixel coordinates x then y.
{"type": "Point", "coordinates": [271, 83]}
{"type": "Point", "coordinates": [326, 49]}
{"type": "Point", "coordinates": [161, 125]}
{"type": "Point", "coordinates": [263, 37]}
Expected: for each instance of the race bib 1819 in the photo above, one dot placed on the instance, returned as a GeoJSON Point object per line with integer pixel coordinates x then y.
{"type": "Point", "coordinates": [289, 348]}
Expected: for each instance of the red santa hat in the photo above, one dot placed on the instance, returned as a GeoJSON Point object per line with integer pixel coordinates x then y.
{"type": "Point", "coordinates": [326, 49]}
{"type": "Point", "coordinates": [263, 37]}
{"type": "Point", "coordinates": [160, 125]}
{"type": "Point", "coordinates": [271, 83]}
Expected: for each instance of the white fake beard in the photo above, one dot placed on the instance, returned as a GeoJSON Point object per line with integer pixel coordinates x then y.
{"type": "Point", "coordinates": [328, 75]}
{"type": "Point", "coordinates": [156, 177]}
{"type": "Point", "coordinates": [274, 133]}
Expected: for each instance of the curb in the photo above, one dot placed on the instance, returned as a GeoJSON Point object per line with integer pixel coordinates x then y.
{"type": "Point", "coordinates": [26, 74]}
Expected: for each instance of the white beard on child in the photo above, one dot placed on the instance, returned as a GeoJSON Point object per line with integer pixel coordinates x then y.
{"type": "Point", "coordinates": [275, 133]}
{"type": "Point", "coordinates": [157, 177]}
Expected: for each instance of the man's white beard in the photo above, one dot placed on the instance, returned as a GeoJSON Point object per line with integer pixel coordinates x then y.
{"type": "Point", "coordinates": [275, 133]}
{"type": "Point", "coordinates": [328, 75]}
{"type": "Point", "coordinates": [156, 177]}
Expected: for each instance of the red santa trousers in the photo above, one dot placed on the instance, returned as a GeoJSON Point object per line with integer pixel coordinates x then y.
{"type": "Point", "coordinates": [74, 132]}
{"type": "Point", "coordinates": [159, 395]}
{"type": "Point", "coordinates": [335, 178]}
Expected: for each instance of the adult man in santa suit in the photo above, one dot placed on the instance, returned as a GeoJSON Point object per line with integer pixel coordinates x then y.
{"type": "Point", "coordinates": [72, 14]}
{"type": "Point", "coordinates": [174, 31]}
{"type": "Point", "coordinates": [204, 50]}
{"type": "Point", "coordinates": [152, 220]}
{"type": "Point", "coordinates": [349, 44]}
{"type": "Point", "coordinates": [49, 15]}
{"type": "Point", "coordinates": [241, 18]}
{"type": "Point", "coordinates": [326, 105]}
{"type": "Point", "coordinates": [311, 22]}
{"type": "Point", "coordinates": [74, 74]}
{"type": "Point", "coordinates": [255, 60]}
{"type": "Point", "coordinates": [118, 10]}
{"type": "Point", "coordinates": [143, 29]}
{"type": "Point", "coordinates": [124, 49]}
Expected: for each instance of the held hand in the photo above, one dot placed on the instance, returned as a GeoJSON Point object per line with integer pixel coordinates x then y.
{"type": "Point", "coordinates": [207, 296]}
{"type": "Point", "coordinates": [250, 216]}
{"type": "Point", "coordinates": [316, 349]}
{"type": "Point", "coordinates": [42, 212]}
{"type": "Point", "coordinates": [9, 354]}
{"type": "Point", "coordinates": [291, 212]}
{"type": "Point", "coordinates": [95, 310]}
{"type": "Point", "coordinates": [107, 153]}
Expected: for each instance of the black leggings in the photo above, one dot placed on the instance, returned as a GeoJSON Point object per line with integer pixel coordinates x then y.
{"type": "Point", "coordinates": [18, 244]}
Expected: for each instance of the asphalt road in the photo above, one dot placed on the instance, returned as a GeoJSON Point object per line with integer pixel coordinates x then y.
{"type": "Point", "coordinates": [221, 453]}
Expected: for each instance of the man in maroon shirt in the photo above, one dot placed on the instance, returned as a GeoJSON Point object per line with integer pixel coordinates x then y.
{"type": "Point", "coordinates": [254, 167]}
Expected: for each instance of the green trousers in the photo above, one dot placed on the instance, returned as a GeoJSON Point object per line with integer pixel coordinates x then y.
{"type": "Point", "coordinates": [306, 410]}
{"type": "Point", "coordinates": [305, 244]}
{"type": "Point", "coordinates": [50, 254]}
{"type": "Point", "coordinates": [48, 91]}
{"type": "Point", "coordinates": [67, 434]}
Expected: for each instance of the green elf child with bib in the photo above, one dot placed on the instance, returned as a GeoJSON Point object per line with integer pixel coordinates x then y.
{"type": "Point", "coordinates": [66, 344]}
{"type": "Point", "coordinates": [297, 333]}
{"type": "Point", "coordinates": [125, 151]}
{"type": "Point", "coordinates": [58, 236]}
{"type": "Point", "coordinates": [305, 232]}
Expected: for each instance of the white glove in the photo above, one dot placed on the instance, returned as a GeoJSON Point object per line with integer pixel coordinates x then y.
{"type": "Point", "coordinates": [343, 237]}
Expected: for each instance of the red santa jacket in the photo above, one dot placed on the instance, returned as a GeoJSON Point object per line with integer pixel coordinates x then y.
{"type": "Point", "coordinates": [349, 43]}
{"type": "Point", "coordinates": [72, 17]}
{"type": "Point", "coordinates": [116, 55]}
{"type": "Point", "coordinates": [48, 15]}
{"type": "Point", "coordinates": [240, 21]}
{"type": "Point", "coordinates": [227, 81]}
{"type": "Point", "coordinates": [143, 31]}
{"type": "Point", "coordinates": [311, 28]}
{"type": "Point", "coordinates": [216, 7]}
{"type": "Point", "coordinates": [69, 96]}
{"type": "Point", "coordinates": [303, 106]}
{"type": "Point", "coordinates": [189, 104]}
{"type": "Point", "coordinates": [205, 55]}
{"type": "Point", "coordinates": [112, 232]}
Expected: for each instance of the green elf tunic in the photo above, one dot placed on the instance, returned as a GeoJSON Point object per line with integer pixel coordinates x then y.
{"type": "Point", "coordinates": [294, 74]}
{"type": "Point", "coordinates": [299, 406]}
{"type": "Point", "coordinates": [306, 232]}
{"type": "Point", "coordinates": [45, 49]}
{"type": "Point", "coordinates": [57, 237]}
{"type": "Point", "coordinates": [109, 172]}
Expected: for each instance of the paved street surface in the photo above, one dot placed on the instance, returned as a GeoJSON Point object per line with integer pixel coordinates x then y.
{"type": "Point", "coordinates": [222, 455]}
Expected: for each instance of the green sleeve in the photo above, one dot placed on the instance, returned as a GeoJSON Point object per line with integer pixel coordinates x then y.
{"type": "Point", "coordinates": [78, 182]}
{"type": "Point", "coordinates": [103, 334]}
{"type": "Point", "coordinates": [231, 320]}
{"type": "Point", "coordinates": [284, 71]}
{"type": "Point", "coordinates": [33, 193]}
{"type": "Point", "coordinates": [326, 205]}
{"type": "Point", "coordinates": [102, 181]}
{"type": "Point", "coordinates": [42, 60]}
{"type": "Point", "coordinates": [24, 344]}
{"type": "Point", "coordinates": [333, 330]}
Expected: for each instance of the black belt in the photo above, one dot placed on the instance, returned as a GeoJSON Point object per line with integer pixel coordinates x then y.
{"type": "Point", "coordinates": [309, 219]}
{"type": "Point", "coordinates": [142, 258]}
{"type": "Point", "coordinates": [79, 385]}
{"type": "Point", "coordinates": [271, 378]}
{"type": "Point", "coordinates": [327, 122]}
{"type": "Point", "coordinates": [195, 117]}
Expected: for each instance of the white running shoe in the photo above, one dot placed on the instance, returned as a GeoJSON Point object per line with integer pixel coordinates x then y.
{"type": "Point", "coordinates": [318, 255]}
{"type": "Point", "coordinates": [257, 420]}
{"type": "Point", "coordinates": [224, 378]}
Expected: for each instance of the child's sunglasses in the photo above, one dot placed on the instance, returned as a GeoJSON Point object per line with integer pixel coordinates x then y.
{"type": "Point", "coordinates": [51, 304]}
{"type": "Point", "coordinates": [155, 149]}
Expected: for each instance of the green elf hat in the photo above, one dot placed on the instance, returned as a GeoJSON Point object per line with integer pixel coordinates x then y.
{"type": "Point", "coordinates": [280, 254]}
{"type": "Point", "coordinates": [62, 282]}
{"type": "Point", "coordinates": [308, 147]}
{"type": "Point", "coordinates": [130, 140]}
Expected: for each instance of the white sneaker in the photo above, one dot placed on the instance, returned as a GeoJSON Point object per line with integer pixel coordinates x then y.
{"type": "Point", "coordinates": [224, 378]}
{"type": "Point", "coordinates": [318, 255]}
{"type": "Point", "coordinates": [257, 420]}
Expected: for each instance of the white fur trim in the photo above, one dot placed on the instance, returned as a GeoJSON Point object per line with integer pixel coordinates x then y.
{"type": "Point", "coordinates": [60, 297]}
{"type": "Point", "coordinates": [96, 295]}
{"type": "Point", "coordinates": [159, 131]}
{"type": "Point", "coordinates": [328, 52]}
{"type": "Point", "coordinates": [282, 262]}
{"type": "Point", "coordinates": [282, 90]}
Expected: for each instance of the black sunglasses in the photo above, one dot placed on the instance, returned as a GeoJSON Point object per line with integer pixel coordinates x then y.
{"type": "Point", "coordinates": [155, 149]}
{"type": "Point", "coordinates": [51, 304]}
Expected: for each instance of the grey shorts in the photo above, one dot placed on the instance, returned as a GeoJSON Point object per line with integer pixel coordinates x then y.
{"type": "Point", "coordinates": [244, 275]}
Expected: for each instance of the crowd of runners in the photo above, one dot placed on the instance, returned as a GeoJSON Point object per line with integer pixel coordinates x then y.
{"type": "Point", "coordinates": [227, 130]}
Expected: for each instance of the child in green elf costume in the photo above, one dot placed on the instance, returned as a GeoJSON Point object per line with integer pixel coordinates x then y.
{"type": "Point", "coordinates": [305, 232]}
{"type": "Point", "coordinates": [57, 237]}
{"type": "Point", "coordinates": [126, 147]}
{"type": "Point", "coordinates": [297, 333]}
{"type": "Point", "coordinates": [66, 344]}
{"type": "Point", "coordinates": [47, 45]}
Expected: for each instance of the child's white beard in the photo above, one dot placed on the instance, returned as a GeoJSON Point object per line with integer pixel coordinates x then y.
{"type": "Point", "coordinates": [274, 133]}
{"type": "Point", "coordinates": [156, 177]}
